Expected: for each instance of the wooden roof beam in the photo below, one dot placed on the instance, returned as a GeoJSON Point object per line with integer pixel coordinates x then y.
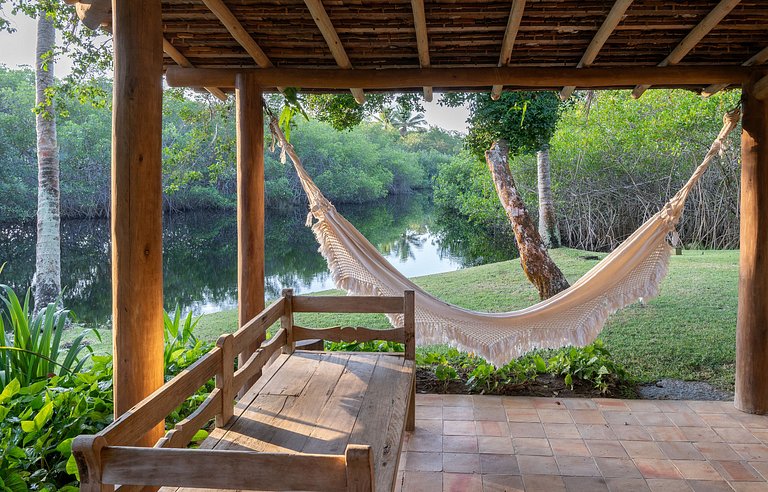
{"type": "Point", "coordinates": [182, 61]}
{"type": "Point", "coordinates": [332, 39]}
{"type": "Point", "coordinates": [513, 25]}
{"type": "Point", "coordinates": [693, 38]}
{"type": "Point", "coordinates": [228, 19]}
{"type": "Point", "coordinates": [758, 59]}
{"type": "Point", "coordinates": [422, 41]}
{"type": "Point", "coordinates": [606, 29]}
{"type": "Point", "coordinates": [464, 78]}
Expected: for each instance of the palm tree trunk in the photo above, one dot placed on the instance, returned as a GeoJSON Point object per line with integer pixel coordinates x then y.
{"type": "Point", "coordinates": [534, 257]}
{"type": "Point", "coordinates": [547, 220]}
{"type": "Point", "coordinates": [47, 281]}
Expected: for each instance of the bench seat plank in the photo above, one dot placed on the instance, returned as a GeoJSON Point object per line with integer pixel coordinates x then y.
{"type": "Point", "coordinates": [318, 402]}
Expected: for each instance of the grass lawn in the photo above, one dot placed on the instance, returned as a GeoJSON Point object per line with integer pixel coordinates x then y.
{"type": "Point", "coordinates": [687, 332]}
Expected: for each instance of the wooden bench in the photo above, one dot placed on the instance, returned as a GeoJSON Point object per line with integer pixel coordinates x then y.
{"type": "Point", "coordinates": [312, 421]}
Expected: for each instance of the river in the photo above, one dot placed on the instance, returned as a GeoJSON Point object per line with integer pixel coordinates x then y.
{"type": "Point", "coordinates": [200, 253]}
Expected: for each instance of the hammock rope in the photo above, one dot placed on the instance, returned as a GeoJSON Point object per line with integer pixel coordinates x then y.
{"type": "Point", "coordinates": [575, 316]}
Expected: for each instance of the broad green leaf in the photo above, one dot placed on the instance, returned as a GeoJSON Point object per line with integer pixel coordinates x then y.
{"type": "Point", "coordinates": [10, 390]}
{"type": "Point", "coordinates": [200, 435]}
{"type": "Point", "coordinates": [44, 415]}
{"type": "Point", "coordinates": [541, 366]}
{"type": "Point", "coordinates": [14, 483]}
{"type": "Point", "coordinates": [28, 426]}
{"type": "Point", "coordinates": [72, 466]}
{"type": "Point", "coordinates": [65, 446]}
{"type": "Point", "coordinates": [569, 380]}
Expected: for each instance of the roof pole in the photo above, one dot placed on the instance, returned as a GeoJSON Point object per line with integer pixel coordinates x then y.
{"type": "Point", "coordinates": [137, 229]}
{"type": "Point", "coordinates": [752, 322]}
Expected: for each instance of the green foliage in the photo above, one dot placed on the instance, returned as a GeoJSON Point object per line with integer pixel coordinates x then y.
{"type": "Point", "coordinates": [372, 346]}
{"type": "Point", "coordinates": [35, 350]}
{"type": "Point", "coordinates": [40, 421]}
{"type": "Point", "coordinates": [592, 364]}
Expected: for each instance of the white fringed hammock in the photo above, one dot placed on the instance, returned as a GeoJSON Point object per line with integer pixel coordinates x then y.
{"type": "Point", "coordinates": [575, 316]}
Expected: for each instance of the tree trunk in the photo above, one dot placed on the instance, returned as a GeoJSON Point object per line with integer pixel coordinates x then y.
{"type": "Point", "coordinates": [47, 281]}
{"type": "Point", "coordinates": [547, 220]}
{"type": "Point", "coordinates": [534, 257]}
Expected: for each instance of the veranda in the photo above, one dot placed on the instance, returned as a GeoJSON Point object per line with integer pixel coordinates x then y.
{"type": "Point", "coordinates": [253, 46]}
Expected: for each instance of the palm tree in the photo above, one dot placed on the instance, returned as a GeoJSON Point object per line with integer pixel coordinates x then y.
{"type": "Point", "coordinates": [385, 117]}
{"type": "Point", "coordinates": [47, 281]}
{"type": "Point", "coordinates": [406, 121]}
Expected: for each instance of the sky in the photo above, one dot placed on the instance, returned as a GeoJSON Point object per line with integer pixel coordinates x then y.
{"type": "Point", "coordinates": [18, 49]}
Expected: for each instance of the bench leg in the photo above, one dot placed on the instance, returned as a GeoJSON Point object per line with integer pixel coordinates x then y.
{"type": "Point", "coordinates": [410, 421]}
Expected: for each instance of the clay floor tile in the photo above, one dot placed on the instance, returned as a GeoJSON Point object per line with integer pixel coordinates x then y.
{"type": "Point", "coordinates": [458, 413]}
{"type": "Point", "coordinates": [712, 406]}
{"type": "Point", "coordinates": [495, 445]}
{"type": "Point", "coordinates": [606, 449]}
{"type": "Point", "coordinates": [429, 400]}
{"type": "Point", "coordinates": [429, 426]}
{"type": "Point", "coordinates": [686, 419]}
{"type": "Point", "coordinates": [627, 485]}
{"type": "Point", "coordinates": [537, 465]}
{"type": "Point", "coordinates": [499, 464]}
{"type": "Point", "coordinates": [678, 450]}
{"type": "Point", "coordinates": [532, 446]}
{"type": "Point", "coordinates": [719, 420]}
{"type": "Point", "coordinates": [587, 417]}
{"type": "Point", "coordinates": [660, 434]}
{"type": "Point", "coordinates": [736, 435]}
{"type": "Point", "coordinates": [651, 468]}
{"type": "Point", "coordinates": [496, 413]}
{"type": "Point", "coordinates": [610, 405]}
{"type": "Point", "coordinates": [526, 429]}
{"type": "Point", "coordinates": [700, 434]}
{"type": "Point", "coordinates": [459, 428]}
{"type": "Point", "coordinates": [462, 482]}
{"type": "Point", "coordinates": [643, 449]}
{"type": "Point", "coordinates": [546, 403]}
{"type": "Point", "coordinates": [425, 442]}
{"type": "Point", "coordinates": [653, 418]}
{"type": "Point", "coordinates": [487, 401]}
{"type": "Point", "coordinates": [749, 486]}
{"type": "Point", "coordinates": [568, 447]}
{"type": "Point", "coordinates": [642, 406]}
{"type": "Point", "coordinates": [491, 428]}
{"type": "Point", "coordinates": [667, 485]}
{"type": "Point", "coordinates": [736, 471]}
{"type": "Point", "coordinates": [617, 468]}
{"type": "Point", "coordinates": [709, 486]}
{"type": "Point", "coordinates": [631, 433]}
{"type": "Point", "coordinates": [522, 415]}
{"type": "Point", "coordinates": [620, 418]}
{"type": "Point", "coordinates": [585, 484]}
{"type": "Point", "coordinates": [520, 402]}
{"type": "Point", "coordinates": [697, 470]}
{"type": "Point", "coordinates": [752, 452]}
{"type": "Point", "coordinates": [717, 451]}
{"type": "Point", "coordinates": [461, 444]}
{"type": "Point", "coordinates": [577, 466]}
{"type": "Point", "coordinates": [561, 431]}
{"type": "Point", "coordinates": [555, 416]}
{"type": "Point", "coordinates": [457, 400]}
{"type": "Point", "coordinates": [423, 462]}
{"type": "Point", "coordinates": [503, 483]}
{"type": "Point", "coordinates": [543, 483]}
{"type": "Point", "coordinates": [422, 481]}
{"type": "Point", "coordinates": [595, 431]}
{"type": "Point", "coordinates": [461, 463]}
{"type": "Point", "coordinates": [761, 467]}
{"type": "Point", "coordinates": [429, 412]}
{"type": "Point", "coordinates": [579, 404]}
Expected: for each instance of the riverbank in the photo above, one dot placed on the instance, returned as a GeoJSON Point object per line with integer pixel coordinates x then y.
{"type": "Point", "coordinates": [687, 332]}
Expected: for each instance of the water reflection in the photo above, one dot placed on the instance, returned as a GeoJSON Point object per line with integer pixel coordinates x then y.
{"type": "Point", "coordinates": [200, 253]}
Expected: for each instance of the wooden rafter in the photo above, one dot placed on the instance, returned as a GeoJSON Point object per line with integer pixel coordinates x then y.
{"type": "Point", "coordinates": [693, 38]}
{"type": "Point", "coordinates": [758, 59]}
{"type": "Point", "coordinates": [513, 25]}
{"type": "Point", "coordinates": [606, 29]}
{"type": "Point", "coordinates": [238, 32]}
{"type": "Point", "coordinates": [422, 41]}
{"type": "Point", "coordinates": [332, 39]}
{"type": "Point", "coordinates": [463, 78]}
{"type": "Point", "coordinates": [182, 61]}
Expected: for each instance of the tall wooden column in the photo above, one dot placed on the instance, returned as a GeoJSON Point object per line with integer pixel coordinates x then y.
{"type": "Point", "coordinates": [137, 240]}
{"type": "Point", "coordinates": [752, 324]}
{"type": "Point", "coordinates": [250, 202]}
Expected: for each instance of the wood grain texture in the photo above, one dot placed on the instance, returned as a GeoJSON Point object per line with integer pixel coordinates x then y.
{"type": "Point", "coordinates": [182, 61]}
{"type": "Point", "coordinates": [256, 328]}
{"type": "Point", "coordinates": [238, 32]}
{"type": "Point", "coordinates": [615, 15]}
{"type": "Point", "coordinates": [422, 39]}
{"type": "Point", "coordinates": [508, 42]}
{"type": "Point", "coordinates": [183, 432]}
{"type": "Point", "coordinates": [325, 25]}
{"type": "Point", "coordinates": [347, 304]}
{"type": "Point", "coordinates": [757, 59]}
{"type": "Point", "coordinates": [286, 320]}
{"type": "Point", "coordinates": [256, 362]}
{"type": "Point", "coordinates": [693, 38]}
{"type": "Point", "coordinates": [250, 204]}
{"type": "Point", "coordinates": [446, 78]}
{"type": "Point", "coordinates": [751, 393]}
{"type": "Point", "coordinates": [225, 377]}
{"type": "Point", "coordinates": [359, 461]}
{"type": "Point", "coordinates": [223, 469]}
{"type": "Point", "coordinates": [349, 334]}
{"type": "Point", "coordinates": [136, 218]}
{"type": "Point", "coordinates": [409, 329]}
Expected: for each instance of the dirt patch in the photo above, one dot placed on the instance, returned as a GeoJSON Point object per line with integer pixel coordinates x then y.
{"type": "Point", "coordinates": [675, 389]}
{"type": "Point", "coordinates": [543, 385]}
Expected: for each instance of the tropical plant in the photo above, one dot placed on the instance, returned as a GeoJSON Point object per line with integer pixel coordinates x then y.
{"type": "Point", "coordinates": [181, 346]}
{"type": "Point", "coordinates": [35, 350]}
{"type": "Point", "coordinates": [407, 121]}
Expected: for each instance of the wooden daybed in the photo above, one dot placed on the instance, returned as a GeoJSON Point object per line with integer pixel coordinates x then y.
{"type": "Point", "coordinates": [311, 421]}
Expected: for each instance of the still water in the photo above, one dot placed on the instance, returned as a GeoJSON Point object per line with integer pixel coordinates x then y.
{"type": "Point", "coordinates": [200, 253]}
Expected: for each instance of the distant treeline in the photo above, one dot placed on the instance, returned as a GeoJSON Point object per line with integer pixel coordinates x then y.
{"type": "Point", "coordinates": [366, 163]}
{"type": "Point", "coordinates": [615, 162]}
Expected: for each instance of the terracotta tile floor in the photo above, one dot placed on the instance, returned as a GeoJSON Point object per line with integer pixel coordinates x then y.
{"type": "Point", "coordinates": [490, 443]}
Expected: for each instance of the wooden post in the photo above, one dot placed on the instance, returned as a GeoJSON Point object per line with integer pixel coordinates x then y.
{"type": "Point", "coordinates": [137, 229]}
{"type": "Point", "coordinates": [752, 323]}
{"type": "Point", "coordinates": [409, 328]}
{"type": "Point", "coordinates": [286, 321]}
{"type": "Point", "coordinates": [250, 205]}
{"type": "Point", "coordinates": [225, 379]}
{"type": "Point", "coordinates": [359, 461]}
